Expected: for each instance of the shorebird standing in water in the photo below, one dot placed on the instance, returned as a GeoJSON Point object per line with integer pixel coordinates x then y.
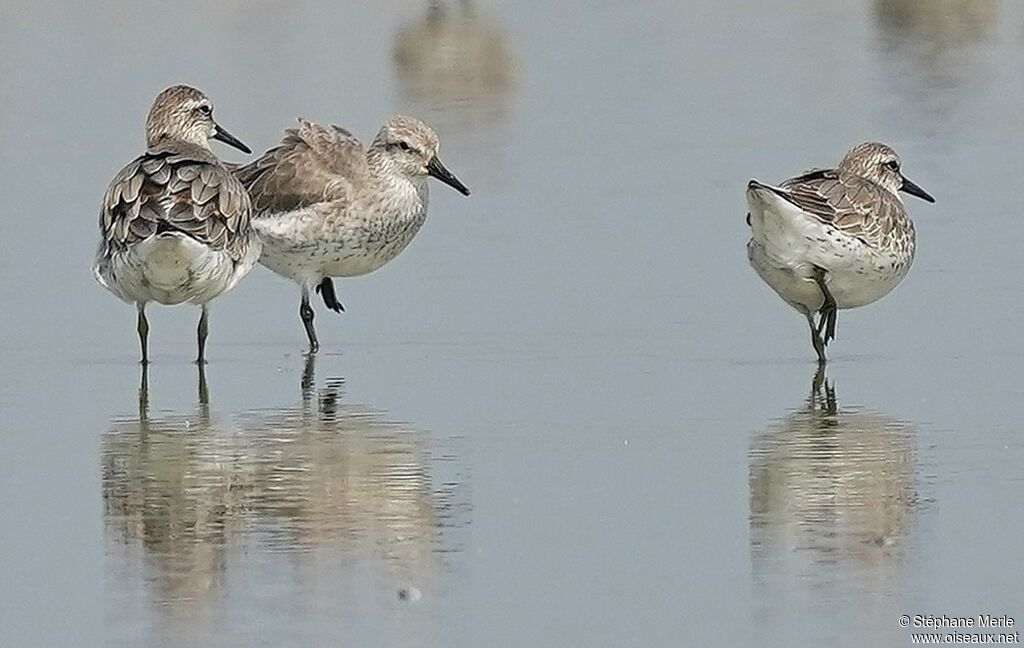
{"type": "Point", "coordinates": [174, 223]}
{"type": "Point", "coordinates": [325, 206]}
{"type": "Point", "coordinates": [834, 238]}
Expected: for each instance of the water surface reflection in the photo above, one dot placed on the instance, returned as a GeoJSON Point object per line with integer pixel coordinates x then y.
{"type": "Point", "coordinates": [307, 507]}
{"type": "Point", "coordinates": [931, 52]}
{"type": "Point", "coordinates": [454, 68]}
{"type": "Point", "coordinates": [937, 24]}
{"type": "Point", "coordinates": [832, 495]}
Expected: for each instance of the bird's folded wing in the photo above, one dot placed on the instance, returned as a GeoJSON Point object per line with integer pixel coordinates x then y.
{"type": "Point", "coordinates": [312, 164]}
{"type": "Point", "coordinates": [850, 203]}
{"type": "Point", "coordinates": [171, 189]}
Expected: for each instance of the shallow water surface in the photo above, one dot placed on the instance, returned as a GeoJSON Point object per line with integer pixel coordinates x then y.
{"type": "Point", "coordinates": [204, 505]}
{"type": "Point", "coordinates": [569, 413]}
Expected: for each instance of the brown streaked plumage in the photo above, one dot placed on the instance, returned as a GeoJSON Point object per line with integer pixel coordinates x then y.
{"type": "Point", "coordinates": [326, 206]}
{"type": "Point", "coordinates": [851, 204]}
{"type": "Point", "coordinates": [175, 223]}
{"type": "Point", "coordinates": [834, 238]}
{"type": "Point", "coordinates": [313, 164]}
{"type": "Point", "coordinates": [182, 187]}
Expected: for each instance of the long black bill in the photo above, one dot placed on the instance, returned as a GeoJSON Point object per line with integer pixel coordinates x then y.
{"type": "Point", "coordinates": [914, 190]}
{"type": "Point", "coordinates": [229, 139]}
{"type": "Point", "coordinates": [438, 170]}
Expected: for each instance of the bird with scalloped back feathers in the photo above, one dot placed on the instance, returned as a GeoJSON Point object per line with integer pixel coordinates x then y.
{"type": "Point", "coordinates": [175, 223]}
{"type": "Point", "coordinates": [834, 238]}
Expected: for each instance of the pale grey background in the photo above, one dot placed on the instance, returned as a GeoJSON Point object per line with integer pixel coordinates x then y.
{"type": "Point", "coordinates": [591, 385]}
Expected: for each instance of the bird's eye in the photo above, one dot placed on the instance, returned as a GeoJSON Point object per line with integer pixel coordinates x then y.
{"type": "Point", "coordinates": [892, 165]}
{"type": "Point", "coordinates": [205, 109]}
{"type": "Point", "coordinates": [404, 146]}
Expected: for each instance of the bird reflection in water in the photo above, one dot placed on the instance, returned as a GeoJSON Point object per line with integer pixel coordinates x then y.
{"type": "Point", "coordinates": [832, 490]}
{"type": "Point", "coordinates": [931, 53]}
{"type": "Point", "coordinates": [941, 24]}
{"type": "Point", "coordinates": [454, 67]}
{"type": "Point", "coordinates": [196, 505]}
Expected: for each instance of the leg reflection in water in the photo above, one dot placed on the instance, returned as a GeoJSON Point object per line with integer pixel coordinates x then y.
{"type": "Point", "coordinates": [833, 489]}
{"type": "Point", "coordinates": [201, 506]}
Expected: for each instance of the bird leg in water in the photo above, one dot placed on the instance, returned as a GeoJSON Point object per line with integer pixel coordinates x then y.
{"type": "Point", "coordinates": [306, 313]}
{"type": "Point", "coordinates": [203, 393]}
{"type": "Point", "coordinates": [143, 329]}
{"type": "Point", "coordinates": [827, 312]}
{"type": "Point", "coordinates": [819, 346]}
{"type": "Point", "coordinates": [201, 332]}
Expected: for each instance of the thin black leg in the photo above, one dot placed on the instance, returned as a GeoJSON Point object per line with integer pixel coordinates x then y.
{"type": "Point", "coordinates": [308, 377]}
{"type": "Point", "coordinates": [144, 394]}
{"type": "Point", "coordinates": [201, 332]}
{"type": "Point", "coordinates": [143, 328]}
{"type": "Point", "coordinates": [823, 393]}
{"type": "Point", "coordinates": [817, 381]}
{"type": "Point", "coordinates": [828, 311]}
{"type": "Point", "coordinates": [306, 313]}
{"type": "Point", "coordinates": [819, 346]}
{"type": "Point", "coordinates": [326, 290]}
{"type": "Point", "coordinates": [203, 393]}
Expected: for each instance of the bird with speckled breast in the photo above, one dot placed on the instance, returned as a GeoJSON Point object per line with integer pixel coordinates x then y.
{"type": "Point", "coordinates": [326, 206]}
{"type": "Point", "coordinates": [834, 238]}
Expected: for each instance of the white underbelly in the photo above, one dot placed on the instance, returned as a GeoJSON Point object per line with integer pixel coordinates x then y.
{"type": "Point", "coordinates": [172, 269]}
{"type": "Point", "coordinates": [851, 285]}
{"type": "Point", "coordinates": [313, 262]}
{"type": "Point", "coordinates": [787, 245]}
{"type": "Point", "coordinates": [298, 246]}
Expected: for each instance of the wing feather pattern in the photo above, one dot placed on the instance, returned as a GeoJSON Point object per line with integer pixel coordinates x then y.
{"type": "Point", "coordinates": [312, 164]}
{"type": "Point", "coordinates": [848, 202]}
{"type": "Point", "coordinates": [177, 187]}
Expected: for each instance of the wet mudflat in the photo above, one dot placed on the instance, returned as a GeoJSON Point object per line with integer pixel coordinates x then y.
{"type": "Point", "coordinates": [569, 413]}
